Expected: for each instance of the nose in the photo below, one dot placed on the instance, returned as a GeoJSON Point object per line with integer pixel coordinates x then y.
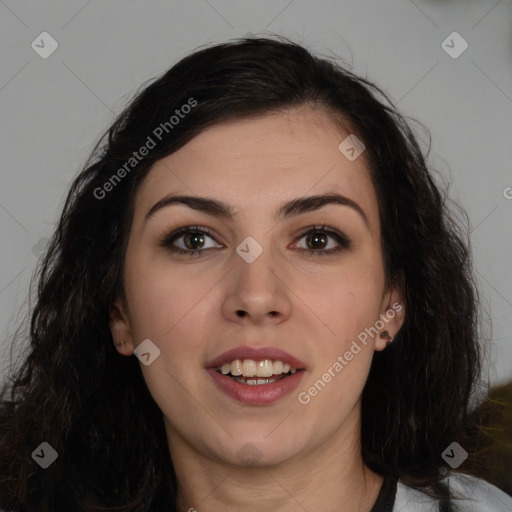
{"type": "Point", "coordinates": [257, 291]}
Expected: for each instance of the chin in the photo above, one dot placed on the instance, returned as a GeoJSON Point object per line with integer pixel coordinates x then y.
{"type": "Point", "coordinates": [258, 451]}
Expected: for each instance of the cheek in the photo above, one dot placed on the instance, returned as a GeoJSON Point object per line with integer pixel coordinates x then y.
{"type": "Point", "coordinates": [349, 299]}
{"type": "Point", "coordinates": [171, 307]}
{"type": "Point", "coordinates": [167, 302]}
{"type": "Point", "coordinates": [348, 304]}
{"type": "Point", "coordinates": [345, 349]}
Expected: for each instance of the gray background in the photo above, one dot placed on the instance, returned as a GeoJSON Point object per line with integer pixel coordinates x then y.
{"type": "Point", "coordinates": [53, 110]}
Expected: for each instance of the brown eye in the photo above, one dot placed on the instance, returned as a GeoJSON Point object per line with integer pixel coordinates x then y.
{"type": "Point", "coordinates": [317, 239]}
{"type": "Point", "coordinates": [188, 240]}
{"type": "Point", "coordinates": [193, 239]}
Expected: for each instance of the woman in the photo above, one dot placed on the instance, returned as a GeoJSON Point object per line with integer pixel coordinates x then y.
{"type": "Point", "coordinates": [262, 234]}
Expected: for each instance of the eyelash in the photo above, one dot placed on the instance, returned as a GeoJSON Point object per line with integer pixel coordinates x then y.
{"type": "Point", "coordinates": [344, 243]}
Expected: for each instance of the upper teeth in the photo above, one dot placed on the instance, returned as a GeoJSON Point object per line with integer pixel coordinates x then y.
{"type": "Point", "coordinates": [251, 368]}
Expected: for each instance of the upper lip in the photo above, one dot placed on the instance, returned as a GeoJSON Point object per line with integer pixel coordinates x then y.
{"type": "Point", "coordinates": [257, 354]}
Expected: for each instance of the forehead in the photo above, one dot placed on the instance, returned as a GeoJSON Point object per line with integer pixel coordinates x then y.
{"type": "Point", "coordinates": [298, 137]}
{"type": "Point", "coordinates": [251, 161]}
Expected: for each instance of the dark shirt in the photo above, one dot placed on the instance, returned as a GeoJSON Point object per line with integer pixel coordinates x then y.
{"type": "Point", "coordinates": [386, 498]}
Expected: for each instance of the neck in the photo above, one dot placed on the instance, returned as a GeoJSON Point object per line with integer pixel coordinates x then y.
{"type": "Point", "coordinates": [331, 477]}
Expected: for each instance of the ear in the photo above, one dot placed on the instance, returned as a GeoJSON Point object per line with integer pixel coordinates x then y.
{"type": "Point", "coordinates": [391, 319]}
{"type": "Point", "coordinates": [120, 327]}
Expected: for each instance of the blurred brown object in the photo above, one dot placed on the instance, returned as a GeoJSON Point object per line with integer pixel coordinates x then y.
{"type": "Point", "coordinates": [492, 458]}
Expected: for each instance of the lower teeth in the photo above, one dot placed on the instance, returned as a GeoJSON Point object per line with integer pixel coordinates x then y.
{"type": "Point", "coordinates": [257, 381]}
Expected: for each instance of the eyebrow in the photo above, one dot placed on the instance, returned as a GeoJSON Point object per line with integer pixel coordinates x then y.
{"type": "Point", "coordinates": [288, 209]}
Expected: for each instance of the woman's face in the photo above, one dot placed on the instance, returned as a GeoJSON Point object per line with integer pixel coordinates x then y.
{"type": "Point", "coordinates": [255, 290]}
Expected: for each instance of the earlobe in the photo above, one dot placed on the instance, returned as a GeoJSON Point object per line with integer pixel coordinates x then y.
{"type": "Point", "coordinates": [391, 319]}
{"type": "Point", "coordinates": [120, 327]}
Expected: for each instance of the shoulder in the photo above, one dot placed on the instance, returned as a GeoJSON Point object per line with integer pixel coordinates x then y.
{"type": "Point", "coordinates": [477, 495]}
{"type": "Point", "coordinates": [468, 493]}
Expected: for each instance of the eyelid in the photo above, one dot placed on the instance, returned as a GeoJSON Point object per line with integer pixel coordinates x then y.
{"type": "Point", "coordinates": [342, 240]}
{"type": "Point", "coordinates": [169, 237]}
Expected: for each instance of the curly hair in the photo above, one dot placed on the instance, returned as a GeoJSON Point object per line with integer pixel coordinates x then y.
{"type": "Point", "coordinates": [74, 391]}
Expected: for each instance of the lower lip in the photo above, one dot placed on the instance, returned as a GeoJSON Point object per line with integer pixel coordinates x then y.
{"type": "Point", "coordinates": [259, 394]}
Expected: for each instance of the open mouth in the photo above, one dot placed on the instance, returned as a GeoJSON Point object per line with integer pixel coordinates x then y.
{"type": "Point", "coordinates": [256, 381]}
{"type": "Point", "coordinates": [256, 377]}
{"type": "Point", "coordinates": [256, 373]}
